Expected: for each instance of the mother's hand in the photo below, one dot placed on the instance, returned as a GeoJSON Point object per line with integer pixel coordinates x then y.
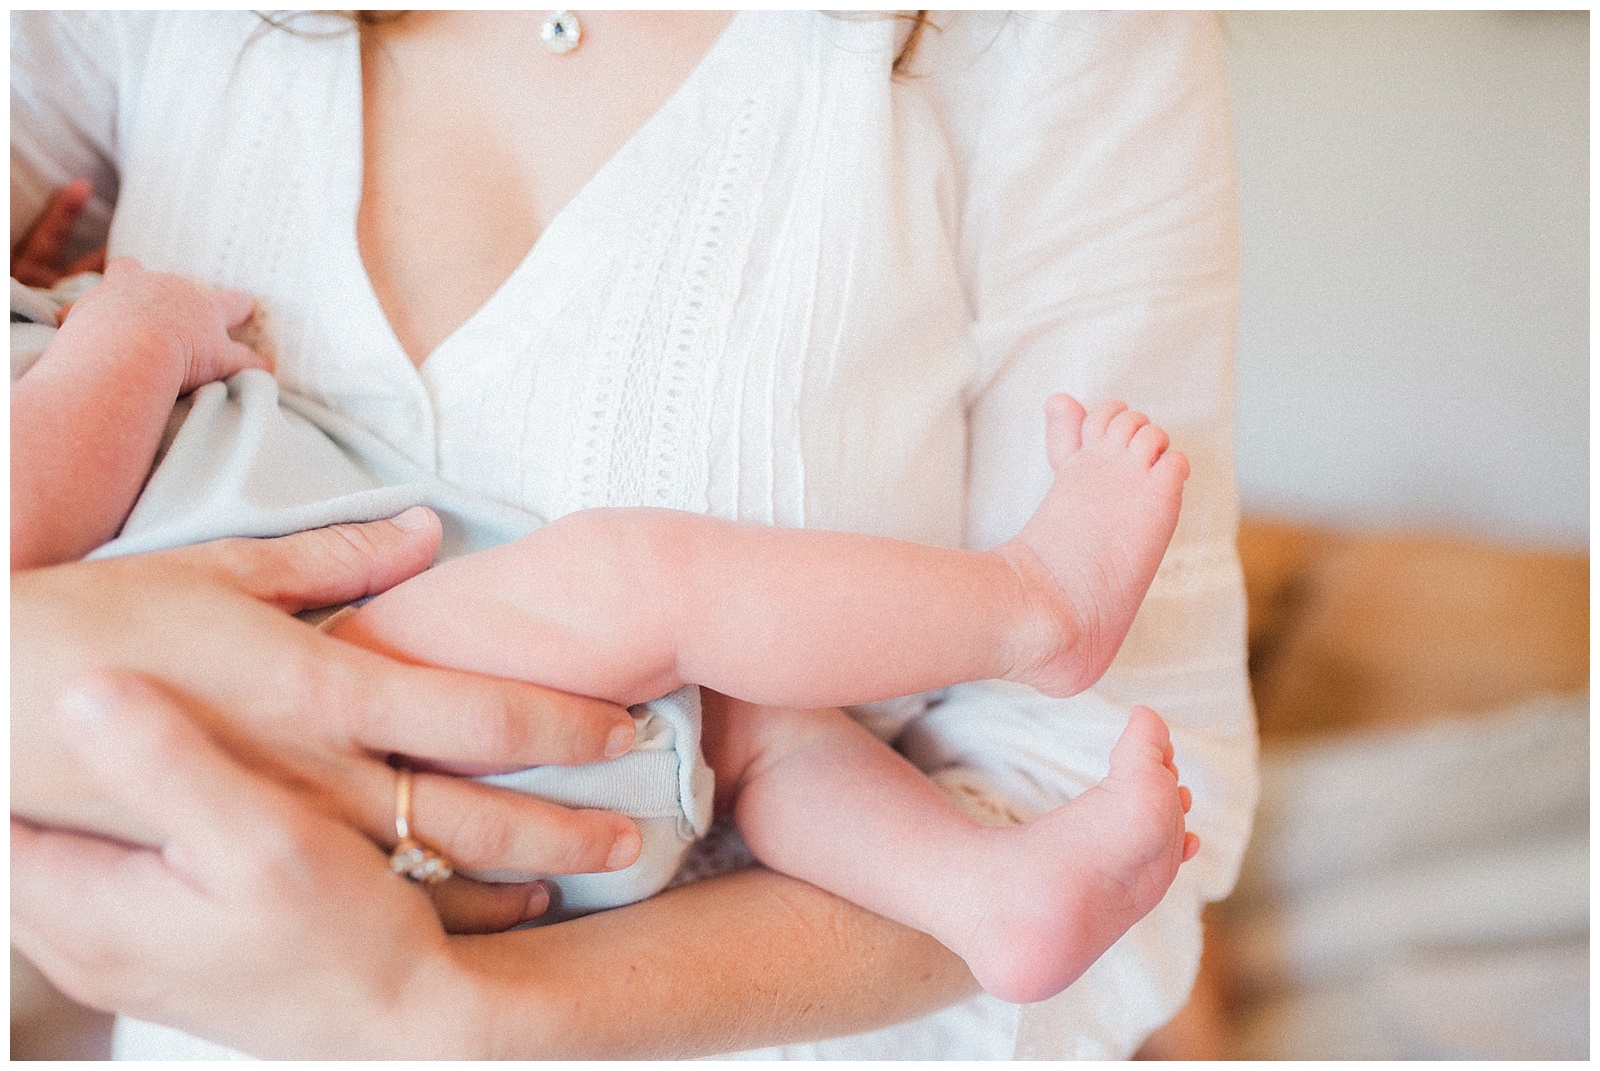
{"type": "Point", "coordinates": [289, 922]}
{"type": "Point", "coordinates": [268, 926]}
{"type": "Point", "coordinates": [212, 623]}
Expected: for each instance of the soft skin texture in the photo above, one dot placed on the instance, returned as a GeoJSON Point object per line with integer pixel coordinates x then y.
{"type": "Point", "coordinates": [526, 993]}
{"type": "Point", "coordinates": [87, 417]}
{"type": "Point", "coordinates": [249, 865]}
{"type": "Point", "coordinates": [629, 604]}
{"type": "Point", "coordinates": [317, 712]}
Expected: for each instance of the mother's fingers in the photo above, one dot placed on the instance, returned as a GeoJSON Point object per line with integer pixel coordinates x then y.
{"type": "Point", "coordinates": [259, 919]}
{"type": "Point", "coordinates": [210, 813]}
{"type": "Point", "coordinates": [479, 827]}
{"type": "Point", "coordinates": [325, 566]}
{"type": "Point", "coordinates": [72, 897]}
{"type": "Point", "coordinates": [467, 906]}
{"type": "Point", "coordinates": [462, 718]}
{"type": "Point", "coordinates": [484, 828]}
{"type": "Point", "coordinates": [393, 707]}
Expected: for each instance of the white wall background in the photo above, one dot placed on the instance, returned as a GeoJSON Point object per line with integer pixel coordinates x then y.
{"type": "Point", "coordinates": [1414, 344]}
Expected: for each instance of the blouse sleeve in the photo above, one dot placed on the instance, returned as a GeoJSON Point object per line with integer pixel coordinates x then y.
{"type": "Point", "coordinates": [1098, 238]}
{"type": "Point", "coordinates": [70, 75]}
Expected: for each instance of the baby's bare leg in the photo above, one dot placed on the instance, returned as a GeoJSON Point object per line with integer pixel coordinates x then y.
{"type": "Point", "coordinates": [628, 604]}
{"type": "Point", "coordinates": [1028, 907]}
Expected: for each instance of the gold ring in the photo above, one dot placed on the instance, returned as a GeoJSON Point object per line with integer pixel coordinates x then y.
{"type": "Point", "coordinates": [410, 858]}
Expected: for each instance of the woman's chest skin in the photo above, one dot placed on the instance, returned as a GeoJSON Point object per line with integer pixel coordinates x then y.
{"type": "Point", "coordinates": [476, 137]}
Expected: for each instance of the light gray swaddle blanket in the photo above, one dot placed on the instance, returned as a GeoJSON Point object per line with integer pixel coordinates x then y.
{"type": "Point", "coordinates": [245, 458]}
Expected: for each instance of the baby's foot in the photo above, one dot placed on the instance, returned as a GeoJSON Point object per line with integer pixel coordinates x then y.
{"type": "Point", "coordinates": [1056, 893]}
{"type": "Point", "coordinates": [1089, 552]}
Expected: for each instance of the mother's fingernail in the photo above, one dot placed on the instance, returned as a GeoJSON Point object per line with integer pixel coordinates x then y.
{"type": "Point", "coordinates": [538, 901]}
{"type": "Point", "coordinates": [624, 850]}
{"type": "Point", "coordinates": [620, 742]}
{"type": "Point", "coordinates": [413, 520]}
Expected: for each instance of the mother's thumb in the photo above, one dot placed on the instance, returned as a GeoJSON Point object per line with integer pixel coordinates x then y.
{"type": "Point", "coordinates": [327, 566]}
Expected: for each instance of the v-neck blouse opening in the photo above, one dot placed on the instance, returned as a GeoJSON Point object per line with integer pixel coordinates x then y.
{"type": "Point", "coordinates": [577, 238]}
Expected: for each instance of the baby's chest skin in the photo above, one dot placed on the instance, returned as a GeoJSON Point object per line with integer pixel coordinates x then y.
{"type": "Point", "coordinates": [475, 137]}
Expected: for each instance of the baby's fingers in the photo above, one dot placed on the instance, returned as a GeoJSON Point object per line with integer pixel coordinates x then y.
{"type": "Point", "coordinates": [237, 306]}
{"type": "Point", "coordinates": [219, 361]}
{"type": "Point", "coordinates": [236, 356]}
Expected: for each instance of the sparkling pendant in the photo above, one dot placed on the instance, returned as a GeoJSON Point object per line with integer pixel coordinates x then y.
{"type": "Point", "coordinates": [561, 32]}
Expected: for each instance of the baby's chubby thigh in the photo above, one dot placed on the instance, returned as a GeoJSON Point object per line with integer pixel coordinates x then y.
{"type": "Point", "coordinates": [576, 605]}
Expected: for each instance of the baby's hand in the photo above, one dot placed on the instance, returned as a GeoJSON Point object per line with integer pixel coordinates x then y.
{"type": "Point", "coordinates": [167, 316]}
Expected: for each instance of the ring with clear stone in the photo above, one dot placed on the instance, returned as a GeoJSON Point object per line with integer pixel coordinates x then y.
{"type": "Point", "coordinates": [410, 857]}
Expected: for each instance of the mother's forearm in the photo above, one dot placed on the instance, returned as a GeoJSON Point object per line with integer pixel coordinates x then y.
{"type": "Point", "coordinates": [743, 961]}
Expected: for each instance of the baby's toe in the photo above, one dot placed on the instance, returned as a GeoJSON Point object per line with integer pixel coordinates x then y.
{"type": "Point", "coordinates": [1100, 417]}
{"type": "Point", "coordinates": [1143, 743]}
{"type": "Point", "coordinates": [1063, 427]}
{"type": "Point", "coordinates": [1124, 426]}
{"type": "Point", "coordinates": [1148, 444]}
{"type": "Point", "coordinates": [1171, 466]}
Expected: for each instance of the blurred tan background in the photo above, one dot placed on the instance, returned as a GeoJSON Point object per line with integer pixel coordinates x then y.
{"type": "Point", "coordinates": [1414, 465]}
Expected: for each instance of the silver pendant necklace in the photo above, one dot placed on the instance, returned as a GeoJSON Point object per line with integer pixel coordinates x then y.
{"type": "Point", "coordinates": [560, 32]}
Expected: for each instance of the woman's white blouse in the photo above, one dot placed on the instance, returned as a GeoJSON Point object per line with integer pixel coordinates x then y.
{"type": "Point", "coordinates": [804, 294]}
